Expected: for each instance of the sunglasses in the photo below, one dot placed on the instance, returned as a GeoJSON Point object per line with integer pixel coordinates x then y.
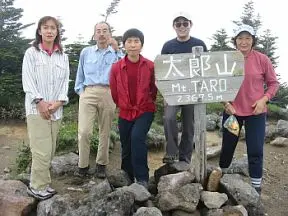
{"type": "Point", "coordinates": [178, 24]}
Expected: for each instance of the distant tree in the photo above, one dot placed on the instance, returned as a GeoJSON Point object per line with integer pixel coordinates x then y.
{"type": "Point", "coordinates": [248, 17]}
{"type": "Point", "coordinates": [221, 41]}
{"type": "Point", "coordinates": [12, 44]}
{"type": "Point", "coordinates": [111, 9]}
{"type": "Point", "coordinates": [267, 45]}
{"type": "Point", "coordinates": [109, 12]}
{"type": "Point", "coordinates": [12, 49]}
{"type": "Point", "coordinates": [266, 42]}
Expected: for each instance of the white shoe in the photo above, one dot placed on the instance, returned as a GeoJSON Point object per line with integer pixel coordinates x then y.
{"type": "Point", "coordinates": [39, 194]}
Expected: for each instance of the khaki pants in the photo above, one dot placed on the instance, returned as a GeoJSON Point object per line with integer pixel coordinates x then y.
{"type": "Point", "coordinates": [95, 103]}
{"type": "Point", "coordinates": [42, 135]}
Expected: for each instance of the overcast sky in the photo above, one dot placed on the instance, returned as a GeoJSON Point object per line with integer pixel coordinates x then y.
{"type": "Point", "coordinates": [154, 18]}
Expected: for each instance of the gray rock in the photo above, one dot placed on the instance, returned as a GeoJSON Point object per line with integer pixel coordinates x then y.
{"type": "Point", "coordinates": [98, 191]}
{"type": "Point", "coordinates": [213, 151]}
{"type": "Point", "coordinates": [7, 170]}
{"type": "Point", "coordinates": [144, 211]}
{"type": "Point", "coordinates": [280, 142]}
{"type": "Point", "coordinates": [64, 164]}
{"type": "Point", "coordinates": [185, 198]}
{"type": "Point", "coordinates": [210, 125]}
{"type": "Point", "coordinates": [213, 200]}
{"type": "Point", "coordinates": [117, 203]}
{"type": "Point", "coordinates": [270, 132]}
{"type": "Point", "coordinates": [119, 178]}
{"type": "Point", "coordinates": [282, 128]}
{"type": "Point", "coordinates": [57, 205]}
{"type": "Point", "coordinates": [241, 192]}
{"type": "Point", "coordinates": [239, 166]}
{"type": "Point", "coordinates": [174, 181]}
{"type": "Point", "coordinates": [140, 193]}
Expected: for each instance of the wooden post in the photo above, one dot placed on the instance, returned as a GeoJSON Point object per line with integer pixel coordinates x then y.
{"type": "Point", "coordinates": [200, 159]}
{"type": "Point", "coordinates": [199, 131]}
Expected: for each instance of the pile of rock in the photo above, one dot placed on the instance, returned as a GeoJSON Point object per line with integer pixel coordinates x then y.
{"type": "Point", "coordinates": [172, 191]}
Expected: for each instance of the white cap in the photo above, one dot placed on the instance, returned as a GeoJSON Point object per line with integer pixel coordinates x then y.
{"type": "Point", "coordinates": [243, 28]}
{"type": "Point", "coordinates": [182, 14]}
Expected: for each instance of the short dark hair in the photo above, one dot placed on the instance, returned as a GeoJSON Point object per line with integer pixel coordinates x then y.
{"type": "Point", "coordinates": [103, 22]}
{"type": "Point", "coordinates": [38, 37]}
{"type": "Point", "coordinates": [253, 42]}
{"type": "Point", "coordinates": [133, 33]}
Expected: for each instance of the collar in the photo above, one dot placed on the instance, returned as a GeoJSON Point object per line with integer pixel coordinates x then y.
{"type": "Point", "coordinates": [49, 52]}
{"type": "Point", "coordinates": [108, 49]}
{"type": "Point", "coordinates": [250, 53]}
{"type": "Point", "coordinates": [124, 65]}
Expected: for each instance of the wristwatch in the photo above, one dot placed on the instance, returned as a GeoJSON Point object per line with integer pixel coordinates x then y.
{"type": "Point", "coordinates": [37, 100]}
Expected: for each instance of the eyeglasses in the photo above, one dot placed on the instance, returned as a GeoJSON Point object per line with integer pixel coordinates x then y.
{"type": "Point", "coordinates": [178, 24]}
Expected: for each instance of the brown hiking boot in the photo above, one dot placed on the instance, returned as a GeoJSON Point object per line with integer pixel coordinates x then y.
{"type": "Point", "coordinates": [100, 171]}
{"type": "Point", "coordinates": [82, 172]}
{"type": "Point", "coordinates": [214, 180]}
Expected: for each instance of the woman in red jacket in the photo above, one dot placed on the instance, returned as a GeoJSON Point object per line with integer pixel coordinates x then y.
{"type": "Point", "coordinates": [132, 84]}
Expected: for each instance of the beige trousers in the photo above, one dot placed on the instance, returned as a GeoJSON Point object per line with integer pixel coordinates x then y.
{"type": "Point", "coordinates": [42, 136]}
{"type": "Point", "coordinates": [95, 103]}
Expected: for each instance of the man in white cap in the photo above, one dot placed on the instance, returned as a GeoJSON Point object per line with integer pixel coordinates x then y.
{"type": "Point", "coordinates": [183, 43]}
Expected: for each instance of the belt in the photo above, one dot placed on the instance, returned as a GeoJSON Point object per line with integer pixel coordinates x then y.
{"type": "Point", "coordinates": [97, 85]}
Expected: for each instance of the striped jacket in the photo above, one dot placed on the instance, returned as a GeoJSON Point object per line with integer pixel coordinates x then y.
{"type": "Point", "coordinates": [45, 77]}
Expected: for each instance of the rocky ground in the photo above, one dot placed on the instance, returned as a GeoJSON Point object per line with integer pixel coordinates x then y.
{"type": "Point", "coordinates": [275, 183]}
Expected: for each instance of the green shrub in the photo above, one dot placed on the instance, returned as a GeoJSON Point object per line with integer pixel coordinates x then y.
{"type": "Point", "coordinates": [12, 111]}
{"type": "Point", "coordinates": [214, 108]}
{"type": "Point", "coordinates": [274, 111]}
{"type": "Point", "coordinates": [24, 158]}
{"type": "Point", "coordinates": [160, 109]}
{"type": "Point", "coordinates": [67, 137]}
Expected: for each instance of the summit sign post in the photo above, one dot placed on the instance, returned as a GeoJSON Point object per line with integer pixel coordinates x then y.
{"type": "Point", "coordinates": [199, 78]}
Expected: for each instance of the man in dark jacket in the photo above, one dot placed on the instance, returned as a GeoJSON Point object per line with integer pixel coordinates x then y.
{"type": "Point", "coordinates": [183, 43]}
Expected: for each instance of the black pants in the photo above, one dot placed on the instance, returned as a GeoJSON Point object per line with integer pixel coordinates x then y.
{"type": "Point", "coordinates": [171, 131]}
{"type": "Point", "coordinates": [255, 134]}
{"type": "Point", "coordinates": [133, 135]}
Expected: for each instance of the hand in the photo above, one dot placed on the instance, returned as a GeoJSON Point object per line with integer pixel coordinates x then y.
{"type": "Point", "coordinates": [260, 105]}
{"type": "Point", "coordinates": [43, 108]}
{"type": "Point", "coordinates": [54, 106]}
{"type": "Point", "coordinates": [113, 43]}
{"type": "Point", "coordinates": [229, 109]}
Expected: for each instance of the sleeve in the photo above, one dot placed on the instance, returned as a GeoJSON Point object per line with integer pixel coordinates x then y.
{"type": "Point", "coordinates": [153, 84]}
{"type": "Point", "coordinates": [79, 82]}
{"type": "Point", "coordinates": [270, 79]}
{"type": "Point", "coordinates": [113, 83]}
{"type": "Point", "coordinates": [164, 49]}
{"type": "Point", "coordinates": [64, 90]}
{"type": "Point", "coordinates": [28, 76]}
{"type": "Point", "coordinates": [204, 46]}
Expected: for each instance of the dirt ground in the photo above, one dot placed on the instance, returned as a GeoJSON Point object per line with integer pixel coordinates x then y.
{"type": "Point", "coordinates": [275, 179]}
